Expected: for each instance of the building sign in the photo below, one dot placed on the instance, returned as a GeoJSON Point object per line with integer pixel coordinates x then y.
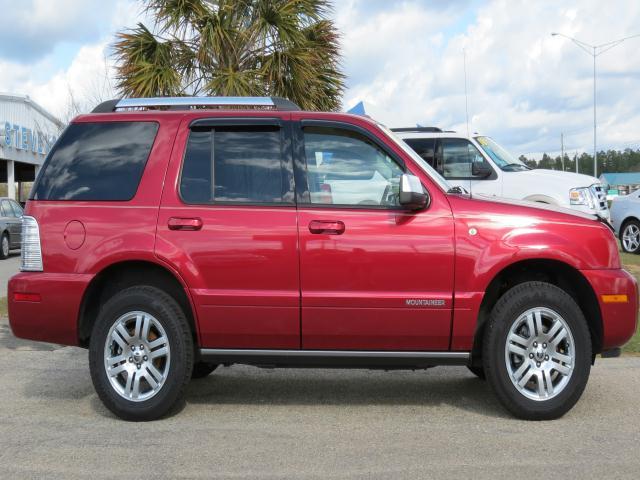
{"type": "Point", "coordinates": [27, 139]}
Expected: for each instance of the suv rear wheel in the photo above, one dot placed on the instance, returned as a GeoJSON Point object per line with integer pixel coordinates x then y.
{"type": "Point", "coordinates": [537, 351]}
{"type": "Point", "coordinates": [140, 353]}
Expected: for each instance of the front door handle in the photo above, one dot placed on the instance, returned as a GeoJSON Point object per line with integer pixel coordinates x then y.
{"type": "Point", "coordinates": [181, 223]}
{"type": "Point", "coordinates": [326, 227]}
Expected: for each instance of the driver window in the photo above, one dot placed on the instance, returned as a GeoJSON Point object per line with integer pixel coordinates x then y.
{"type": "Point", "coordinates": [345, 168]}
{"type": "Point", "coordinates": [458, 156]}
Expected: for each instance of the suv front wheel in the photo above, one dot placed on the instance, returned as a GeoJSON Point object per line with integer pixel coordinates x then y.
{"type": "Point", "coordinates": [537, 351]}
{"type": "Point", "coordinates": [140, 353]}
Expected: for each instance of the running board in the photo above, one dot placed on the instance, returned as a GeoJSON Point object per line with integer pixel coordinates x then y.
{"type": "Point", "coordinates": [333, 358]}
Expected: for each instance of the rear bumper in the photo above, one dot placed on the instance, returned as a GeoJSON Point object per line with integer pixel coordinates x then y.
{"type": "Point", "coordinates": [619, 316]}
{"type": "Point", "coordinates": [53, 317]}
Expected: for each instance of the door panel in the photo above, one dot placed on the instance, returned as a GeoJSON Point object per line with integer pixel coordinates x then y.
{"type": "Point", "coordinates": [243, 273]}
{"type": "Point", "coordinates": [373, 276]}
{"type": "Point", "coordinates": [384, 284]}
{"type": "Point", "coordinates": [232, 234]}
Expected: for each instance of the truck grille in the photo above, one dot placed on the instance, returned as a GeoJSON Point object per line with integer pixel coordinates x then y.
{"type": "Point", "coordinates": [600, 195]}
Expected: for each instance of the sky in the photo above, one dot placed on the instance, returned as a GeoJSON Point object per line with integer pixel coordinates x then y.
{"type": "Point", "coordinates": [403, 59]}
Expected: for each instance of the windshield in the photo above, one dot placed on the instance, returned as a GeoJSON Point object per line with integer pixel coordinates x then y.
{"type": "Point", "coordinates": [439, 179]}
{"type": "Point", "coordinates": [500, 156]}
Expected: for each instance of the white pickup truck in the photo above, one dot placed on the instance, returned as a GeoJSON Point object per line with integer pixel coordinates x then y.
{"type": "Point", "coordinates": [483, 167]}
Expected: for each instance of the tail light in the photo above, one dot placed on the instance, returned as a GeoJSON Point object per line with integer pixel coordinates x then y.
{"type": "Point", "coordinates": [31, 254]}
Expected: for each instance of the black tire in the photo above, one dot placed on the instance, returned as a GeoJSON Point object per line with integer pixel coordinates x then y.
{"type": "Point", "coordinates": [168, 313]}
{"type": "Point", "coordinates": [478, 372]}
{"type": "Point", "coordinates": [202, 369]}
{"type": "Point", "coordinates": [508, 310]}
{"type": "Point", "coordinates": [5, 246]}
{"type": "Point", "coordinates": [629, 224]}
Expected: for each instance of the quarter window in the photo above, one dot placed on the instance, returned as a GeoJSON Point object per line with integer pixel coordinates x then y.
{"type": "Point", "coordinates": [234, 165]}
{"type": "Point", "coordinates": [96, 161]}
{"type": "Point", "coordinates": [346, 168]}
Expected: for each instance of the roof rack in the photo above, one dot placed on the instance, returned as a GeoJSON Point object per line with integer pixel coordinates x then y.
{"type": "Point", "coordinates": [417, 129]}
{"type": "Point", "coordinates": [188, 103]}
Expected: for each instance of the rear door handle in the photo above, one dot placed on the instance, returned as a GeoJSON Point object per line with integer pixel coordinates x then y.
{"type": "Point", "coordinates": [326, 227]}
{"type": "Point", "coordinates": [180, 223]}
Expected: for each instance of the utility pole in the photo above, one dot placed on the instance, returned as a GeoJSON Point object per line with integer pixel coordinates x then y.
{"type": "Point", "coordinates": [562, 149]}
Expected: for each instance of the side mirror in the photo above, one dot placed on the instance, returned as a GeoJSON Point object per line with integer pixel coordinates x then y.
{"type": "Point", "coordinates": [413, 196]}
{"type": "Point", "coordinates": [481, 169]}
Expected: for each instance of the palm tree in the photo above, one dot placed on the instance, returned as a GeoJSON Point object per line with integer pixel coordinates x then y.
{"type": "Point", "coordinates": [284, 48]}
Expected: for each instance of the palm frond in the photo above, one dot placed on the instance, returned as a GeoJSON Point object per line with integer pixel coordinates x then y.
{"type": "Point", "coordinates": [234, 47]}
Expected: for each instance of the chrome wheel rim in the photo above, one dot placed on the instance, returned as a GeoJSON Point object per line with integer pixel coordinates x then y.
{"type": "Point", "coordinates": [5, 245]}
{"type": "Point", "coordinates": [540, 354]}
{"type": "Point", "coordinates": [137, 356]}
{"type": "Point", "coordinates": [631, 237]}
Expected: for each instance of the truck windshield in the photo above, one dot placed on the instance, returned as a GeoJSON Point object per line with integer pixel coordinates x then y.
{"type": "Point", "coordinates": [500, 156]}
{"type": "Point", "coordinates": [439, 179]}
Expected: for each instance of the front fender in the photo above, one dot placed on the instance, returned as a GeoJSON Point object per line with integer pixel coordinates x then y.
{"type": "Point", "coordinates": [491, 236]}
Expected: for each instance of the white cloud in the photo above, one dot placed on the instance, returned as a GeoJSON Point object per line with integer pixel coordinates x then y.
{"type": "Point", "coordinates": [31, 29]}
{"type": "Point", "coordinates": [88, 78]}
{"type": "Point", "coordinates": [525, 87]}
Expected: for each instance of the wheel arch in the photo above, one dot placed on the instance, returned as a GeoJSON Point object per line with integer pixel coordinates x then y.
{"type": "Point", "coordinates": [555, 272]}
{"type": "Point", "coordinates": [123, 274]}
{"type": "Point", "coordinates": [540, 198]}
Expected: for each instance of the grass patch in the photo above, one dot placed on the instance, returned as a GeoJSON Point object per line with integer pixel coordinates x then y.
{"type": "Point", "coordinates": [631, 263]}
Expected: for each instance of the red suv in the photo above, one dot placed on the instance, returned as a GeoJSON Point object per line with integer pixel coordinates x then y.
{"type": "Point", "coordinates": [172, 235]}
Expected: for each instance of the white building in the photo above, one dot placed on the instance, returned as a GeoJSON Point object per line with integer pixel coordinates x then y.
{"type": "Point", "coordinates": [27, 133]}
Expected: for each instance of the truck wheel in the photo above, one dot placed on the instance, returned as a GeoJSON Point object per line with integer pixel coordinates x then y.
{"type": "Point", "coordinates": [140, 353]}
{"type": "Point", "coordinates": [630, 238]}
{"type": "Point", "coordinates": [537, 351]}
{"type": "Point", "coordinates": [202, 369]}
{"type": "Point", "coordinates": [478, 372]}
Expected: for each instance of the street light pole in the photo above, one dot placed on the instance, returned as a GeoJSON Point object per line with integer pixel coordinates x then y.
{"type": "Point", "coordinates": [595, 51]}
{"type": "Point", "coordinates": [595, 150]}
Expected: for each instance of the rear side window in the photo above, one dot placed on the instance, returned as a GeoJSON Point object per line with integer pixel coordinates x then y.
{"type": "Point", "coordinates": [5, 209]}
{"type": "Point", "coordinates": [17, 209]}
{"type": "Point", "coordinates": [234, 165]}
{"type": "Point", "coordinates": [97, 161]}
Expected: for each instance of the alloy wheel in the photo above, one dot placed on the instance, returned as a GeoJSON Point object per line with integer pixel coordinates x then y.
{"type": "Point", "coordinates": [540, 354]}
{"type": "Point", "coordinates": [631, 237]}
{"type": "Point", "coordinates": [137, 356]}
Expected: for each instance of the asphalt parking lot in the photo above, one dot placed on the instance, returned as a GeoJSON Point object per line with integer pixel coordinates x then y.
{"type": "Point", "coordinates": [8, 268]}
{"type": "Point", "coordinates": [243, 422]}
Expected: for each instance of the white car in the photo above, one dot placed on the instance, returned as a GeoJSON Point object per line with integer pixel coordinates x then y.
{"type": "Point", "coordinates": [625, 215]}
{"type": "Point", "coordinates": [483, 167]}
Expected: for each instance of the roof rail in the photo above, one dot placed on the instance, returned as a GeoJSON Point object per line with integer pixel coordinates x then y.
{"type": "Point", "coordinates": [417, 129]}
{"type": "Point", "coordinates": [187, 103]}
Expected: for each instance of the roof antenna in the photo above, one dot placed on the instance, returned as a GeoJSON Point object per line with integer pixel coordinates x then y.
{"type": "Point", "coordinates": [466, 97]}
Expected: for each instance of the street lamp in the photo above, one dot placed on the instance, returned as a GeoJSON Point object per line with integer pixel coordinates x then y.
{"type": "Point", "coordinates": [594, 51]}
